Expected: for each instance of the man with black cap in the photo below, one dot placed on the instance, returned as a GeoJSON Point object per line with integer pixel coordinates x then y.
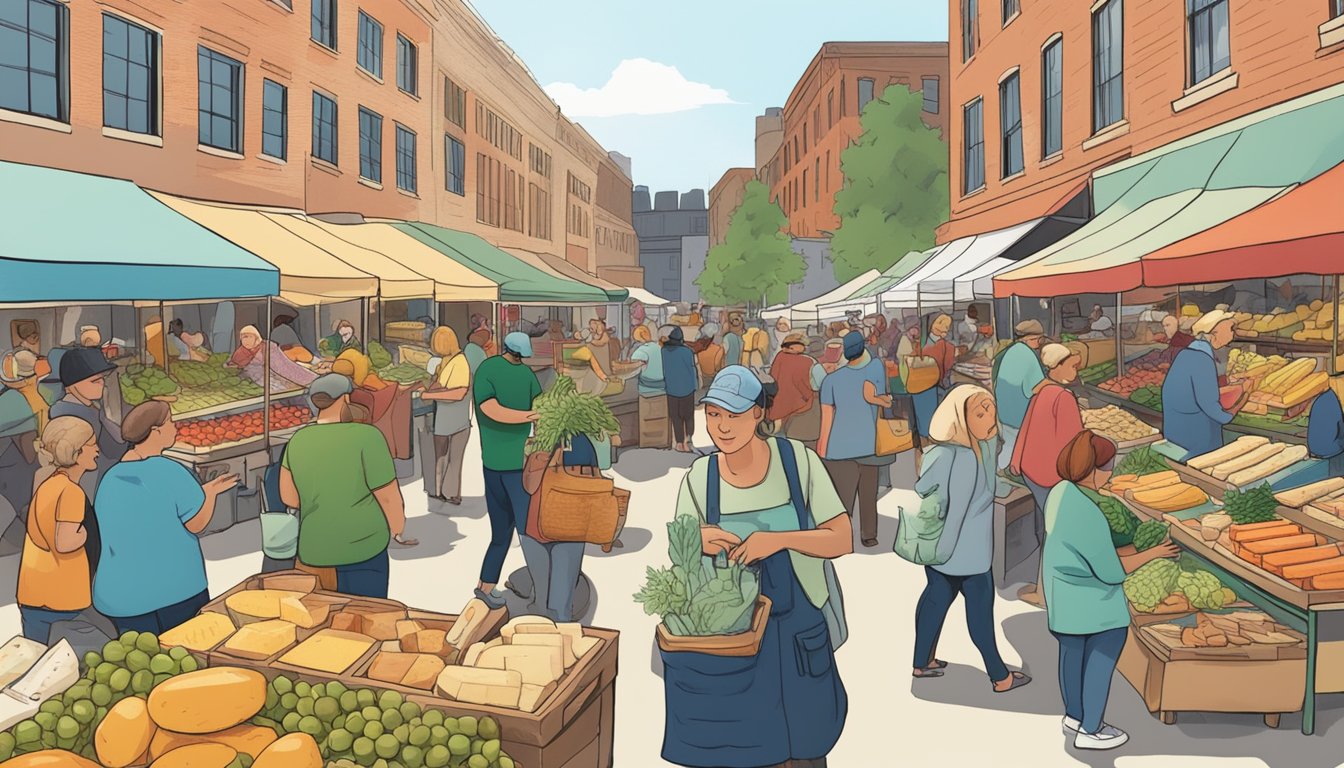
{"type": "Point", "coordinates": [850, 397]}
{"type": "Point", "coordinates": [1017, 371]}
{"type": "Point", "coordinates": [680, 380]}
{"type": "Point", "coordinates": [83, 373]}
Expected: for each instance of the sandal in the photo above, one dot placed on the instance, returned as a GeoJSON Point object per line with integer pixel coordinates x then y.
{"type": "Point", "coordinates": [927, 672]}
{"type": "Point", "coordinates": [1019, 679]}
{"type": "Point", "coordinates": [454, 500]}
{"type": "Point", "coordinates": [870, 543]}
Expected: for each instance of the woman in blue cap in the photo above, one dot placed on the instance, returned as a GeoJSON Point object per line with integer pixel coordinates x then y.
{"type": "Point", "coordinates": [766, 502]}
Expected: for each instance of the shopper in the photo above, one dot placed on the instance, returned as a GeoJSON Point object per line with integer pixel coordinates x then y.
{"type": "Point", "coordinates": [151, 574]}
{"type": "Point", "coordinates": [449, 392]}
{"type": "Point", "coordinates": [387, 404]}
{"type": "Point", "coordinates": [850, 397]}
{"type": "Point", "coordinates": [55, 582]}
{"type": "Point", "coordinates": [23, 407]}
{"type": "Point", "coordinates": [793, 374]}
{"type": "Point", "coordinates": [648, 352]}
{"type": "Point", "coordinates": [283, 334]}
{"type": "Point", "coordinates": [713, 358]}
{"type": "Point", "coordinates": [1175, 337]}
{"type": "Point", "coordinates": [766, 502]}
{"type": "Point", "coordinates": [1016, 372]}
{"type": "Point", "coordinates": [732, 338]}
{"type": "Point", "coordinates": [1192, 414]}
{"type": "Point", "coordinates": [681, 381]}
{"type": "Point", "coordinates": [959, 473]}
{"type": "Point", "coordinates": [83, 374]}
{"type": "Point", "coordinates": [1325, 427]}
{"type": "Point", "coordinates": [475, 349]}
{"type": "Point", "coordinates": [1086, 607]}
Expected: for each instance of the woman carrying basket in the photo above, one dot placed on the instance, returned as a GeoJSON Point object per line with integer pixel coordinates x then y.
{"type": "Point", "coordinates": [766, 502]}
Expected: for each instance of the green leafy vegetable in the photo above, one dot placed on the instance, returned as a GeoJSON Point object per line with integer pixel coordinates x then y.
{"type": "Point", "coordinates": [694, 597]}
{"type": "Point", "coordinates": [1202, 589]}
{"type": "Point", "coordinates": [1257, 505]}
{"type": "Point", "coordinates": [1142, 461]}
{"type": "Point", "coordinates": [565, 413]}
{"type": "Point", "coordinates": [1151, 584]}
{"type": "Point", "coordinates": [1122, 522]}
{"type": "Point", "coordinates": [379, 357]}
{"type": "Point", "coordinates": [1149, 535]}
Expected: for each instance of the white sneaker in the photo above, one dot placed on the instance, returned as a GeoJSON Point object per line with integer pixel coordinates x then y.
{"type": "Point", "coordinates": [1071, 726]}
{"type": "Point", "coordinates": [1109, 737]}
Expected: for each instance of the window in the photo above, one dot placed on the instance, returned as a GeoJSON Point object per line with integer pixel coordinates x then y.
{"type": "Point", "coordinates": [865, 92]}
{"type": "Point", "coordinates": [324, 128]}
{"type": "Point", "coordinates": [130, 76]}
{"type": "Point", "coordinates": [970, 23]}
{"type": "Point", "coordinates": [1108, 65]}
{"type": "Point", "coordinates": [797, 157]}
{"type": "Point", "coordinates": [816, 181]}
{"type": "Point", "coordinates": [804, 137]}
{"type": "Point", "coordinates": [405, 159]}
{"type": "Point", "coordinates": [804, 186]}
{"type": "Point", "coordinates": [973, 148]}
{"type": "Point", "coordinates": [1052, 98]}
{"type": "Point", "coordinates": [830, 107]}
{"type": "Point", "coordinates": [786, 157]}
{"type": "Point", "coordinates": [539, 160]}
{"type": "Point", "coordinates": [370, 145]}
{"type": "Point", "coordinates": [220, 105]}
{"type": "Point", "coordinates": [1010, 125]}
{"type": "Point", "coordinates": [538, 212]}
{"type": "Point", "coordinates": [828, 171]}
{"type": "Point", "coordinates": [1010, 9]}
{"type": "Point", "coordinates": [455, 158]}
{"type": "Point", "coordinates": [369, 54]}
{"type": "Point", "coordinates": [274, 119]}
{"type": "Point", "coordinates": [842, 97]}
{"type": "Point", "coordinates": [34, 53]}
{"type": "Point", "coordinates": [408, 63]}
{"type": "Point", "coordinates": [498, 132]}
{"type": "Point", "coordinates": [324, 23]}
{"type": "Point", "coordinates": [1336, 8]}
{"type": "Point", "coordinates": [455, 103]}
{"type": "Point", "coordinates": [579, 189]}
{"type": "Point", "coordinates": [1210, 50]}
{"type": "Point", "coordinates": [816, 124]}
{"type": "Point", "coordinates": [929, 90]}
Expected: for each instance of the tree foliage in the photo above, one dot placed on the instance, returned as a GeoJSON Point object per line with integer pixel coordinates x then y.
{"type": "Point", "coordinates": [896, 190]}
{"type": "Point", "coordinates": [755, 262]}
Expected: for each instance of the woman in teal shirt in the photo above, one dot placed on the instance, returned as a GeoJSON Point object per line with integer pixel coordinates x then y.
{"type": "Point", "coordinates": [1084, 601]}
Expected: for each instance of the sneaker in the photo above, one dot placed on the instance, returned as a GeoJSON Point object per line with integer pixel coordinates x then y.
{"type": "Point", "coordinates": [1071, 726]}
{"type": "Point", "coordinates": [1109, 737]}
{"type": "Point", "coordinates": [492, 599]}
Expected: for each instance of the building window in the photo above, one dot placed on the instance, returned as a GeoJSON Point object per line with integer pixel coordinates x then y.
{"type": "Point", "coordinates": [1052, 98]}
{"type": "Point", "coordinates": [804, 186]}
{"type": "Point", "coordinates": [405, 160]}
{"type": "Point", "coordinates": [1010, 9]}
{"type": "Point", "coordinates": [828, 171]}
{"type": "Point", "coordinates": [804, 137]}
{"type": "Point", "coordinates": [797, 157]}
{"type": "Point", "coordinates": [220, 106]}
{"type": "Point", "coordinates": [1108, 65]}
{"type": "Point", "coordinates": [455, 103]}
{"type": "Point", "coordinates": [130, 76]}
{"type": "Point", "coordinates": [929, 90]}
{"type": "Point", "coordinates": [830, 106]}
{"type": "Point", "coordinates": [1336, 8]}
{"type": "Point", "coordinates": [970, 22]}
{"type": "Point", "coordinates": [843, 100]}
{"type": "Point", "coordinates": [1210, 49]}
{"type": "Point", "coordinates": [324, 23]}
{"type": "Point", "coordinates": [539, 160]}
{"type": "Point", "coordinates": [816, 181]}
{"type": "Point", "coordinates": [1010, 124]}
{"type": "Point", "coordinates": [34, 56]}
{"type": "Point", "coordinates": [816, 124]}
{"type": "Point", "coordinates": [370, 145]}
{"type": "Point", "coordinates": [324, 128]}
{"type": "Point", "coordinates": [538, 212]}
{"type": "Point", "coordinates": [408, 63]}
{"type": "Point", "coordinates": [369, 53]}
{"type": "Point", "coordinates": [865, 92]}
{"type": "Point", "coordinates": [786, 157]}
{"type": "Point", "coordinates": [274, 119]}
{"type": "Point", "coordinates": [455, 158]}
{"type": "Point", "coordinates": [973, 150]}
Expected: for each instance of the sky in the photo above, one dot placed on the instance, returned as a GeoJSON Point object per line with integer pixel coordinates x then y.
{"type": "Point", "coordinates": [677, 85]}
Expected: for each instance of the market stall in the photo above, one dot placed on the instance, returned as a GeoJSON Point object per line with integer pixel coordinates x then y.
{"type": "Point", "coordinates": [813, 312]}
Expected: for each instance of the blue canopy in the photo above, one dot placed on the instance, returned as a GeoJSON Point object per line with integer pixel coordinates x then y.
{"type": "Point", "coordinates": [75, 237]}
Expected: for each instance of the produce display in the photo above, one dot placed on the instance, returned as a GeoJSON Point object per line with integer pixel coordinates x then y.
{"type": "Point", "coordinates": [696, 597]}
{"type": "Point", "coordinates": [1248, 460]}
{"type": "Point", "coordinates": [1305, 322]}
{"type": "Point", "coordinates": [404, 373]}
{"type": "Point", "coordinates": [1220, 630]}
{"type": "Point", "coordinates": [1147, 373]}
{"type": "Point", "coordinates": [1149, 534]}
{"type": "Point", "coordinates": [219, 430]}
{"type": "Point", "coordinates": [519, 669]}
{"type": "Point", "coordinates": [143, 382]}
{"type": "Point", "coordinates": [379, 357]}
{"type": "Point", "coordinates": [1315, 494]}
{"type": "Point", "coordinates": [1163, 586]}
{"type": "Point", "coordinates": [1291, 385]}
{"type": "Point", "coordinates": [1141, 461]}
{"type": "Point", "coordinates": [1148, 397]}
{"type": "Point", "coordinates": [1116, 424]}
{"type": "Point", "coordinates": [1160, 491]}
{"type": "Point", "coordinates": [1123, 523]}
{"type": "Point", "coordinates": [1305, 559]}
{"type": "Point", "coordinates": [194, 384]}
{"type": "Point", "coordinates": [566, 412]}
{"type": "Point", "coordinates": [1254, 506]}
{"type": "Point", "coordinates": [1095, 374]}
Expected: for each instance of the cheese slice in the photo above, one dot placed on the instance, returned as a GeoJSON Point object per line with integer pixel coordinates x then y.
{"type": "Point", "coordinates": [307, 612]}
{"type": "Point", "coordinates": [256, 604]}
{"type": "Point", "coordinates": [585, 645]}
{"type": "Point", "coordinates": [424, 671]}
{"type": "Point", "coordinates": [18, 655]}
{"type": "Point", "coordinates": [390, 667]}
{"type": "Point", "coordinates": [538, 664]}
{"type": "Point", "coordinates": [290, 582]}
{"type": "Point", "coordinates": [200, 633]}
{"type": "Point", "coordinates": [408, 627]}
{"type": "Point", "coordinates": [474, 652]}
{"type": "Point", "coordinates": [378, 623]}
{"type": "Point", "coordinates": [563, 642]}
{"type": "Point", "coordinates": [261, 640]}
{"type": "Point", "coordinates": [507, 630]}
{"type": "Point", "coordinates": [532, 696]}
{"type": "Point", "coordinates": [495, 687]}
{"type": "Point", "coordinates": [572, 628]}
{"type": "Point", "coordinates": [330, 650]}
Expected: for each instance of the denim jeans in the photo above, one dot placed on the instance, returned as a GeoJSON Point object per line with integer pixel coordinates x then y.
{"type": "Point", "coordinates": [37, 621]}
{"type": "Point", "coordinates": [555, 571]}
{"type": "Point", "coordinates": [1086, 663]}
{"type": "Point", "coordinates": [931, 612]}
{"type": "Point", "coordinates": [165, 618]}
{"type": "Point", "coordinates": [506, 503]}
{"type": "Point", "coordinates": [366, 579]}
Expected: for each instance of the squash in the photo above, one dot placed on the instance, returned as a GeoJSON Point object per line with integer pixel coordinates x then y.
{"type": "Point", "coordinates": [197, 756]}
{"type": "Point", "coordinates": [50, 758]}
{"type": "Point", "coordinates": [124, 734]}
{"type": "Point", "coordinates": [247, 739]}
{"type": "Point", "coordinates": [207, 700]}
{"type": "Point", "coordinates": [297, 750]}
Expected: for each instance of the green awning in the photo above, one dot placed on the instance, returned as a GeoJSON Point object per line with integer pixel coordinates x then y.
{"type": "Point", "coordinates": [519, 282]}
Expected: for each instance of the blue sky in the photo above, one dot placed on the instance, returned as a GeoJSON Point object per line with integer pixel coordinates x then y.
{"type": "Point", "coordinates": [736, 57]}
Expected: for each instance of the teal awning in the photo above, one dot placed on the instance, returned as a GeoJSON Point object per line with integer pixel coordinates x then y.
{"type": "Point", "coordinates": [518, 281]}
{"type": "Point", "coordinates": [68, 236]}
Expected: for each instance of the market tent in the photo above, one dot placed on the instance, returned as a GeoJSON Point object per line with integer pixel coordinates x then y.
{"type": "Point", "coordinates": [395, 281]}
{"type": "Point", "coordinates": [809, 311]}
{"type": "Point", "coordinates": [308, 274]}
{"type": "Point", "coordinates": [72, 237]}
{"type": "Point", "coordinates": [648, 298]}
{"type": "Point", "coordinates": [564, 269]}
{"type": "Point", "coordinates": [864, 298]}
{"type": "Point", "coordinates": [519, 282]}
{"type": "Point", "coordinates": [935, 284]}
{"type": "Point", "coordinates": [451, 280]}
{"type": "Point", "coordinates": [1168, 194]}
{"type": "Point", "coordinates": [1298, 233]}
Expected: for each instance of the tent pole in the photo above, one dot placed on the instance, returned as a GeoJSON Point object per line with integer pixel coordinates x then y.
{"type": "Point", "coordinates": [1334, 337]}
{"type": "Point", "coordinates": [266, 391]}
{"type": "Point", "coordinates": [163, 336]}
{"type": "Point", "coordinates": [1119, 346]}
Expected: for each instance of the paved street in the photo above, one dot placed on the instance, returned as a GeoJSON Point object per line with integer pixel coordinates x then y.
{"type": "Point", "coordinates": [891, 717]}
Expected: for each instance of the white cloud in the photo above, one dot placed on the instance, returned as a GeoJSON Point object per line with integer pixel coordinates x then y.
{"type": "Point", "coordinates": [637, 87]}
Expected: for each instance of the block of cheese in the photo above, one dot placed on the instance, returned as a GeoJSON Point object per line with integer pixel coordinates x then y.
{"type": "Point", "coordinates": [408, 627]}
{"type": "Point", "coordinates": [345, 622]}
{"type": "Point", "coordinates": [473, 685]}
{"type": "Point", "coordinates": [571, 628]}
{"type": "Point", "coordinates": [329, 650]}
{"type": "Point", "coordinates": [18, 656]}
{"type": "Point", "coordinates": [390, 667]}
{"type": "Point", "coordinates": [584, 645]}
{"type": "Point", "coordinates": [538, 664]}
{"type": "Point", "coordinates": [261, 640]}
{"type": "Point", "coordinates": [291, 581]}
{"type": "Point", "coordinates": [307, 611]}
{"type": "Point", "coordinates": [563, 642]}
{"type": "Point", "coordinates": [424, 672]}
{"type": "Point", "coordinates": [507, 630]}
{"type": "Point", "coordinates": [377, 622]}
{"type": "Point", "coordinates": [252, 605]}
{"type": "Point", "coordinates": [426, 641]}
{"type": "Point", "coordinates": [532, 696]}
{"type": "Point", "coordinates": [200, 633]}
{"type": "Point", "coordinates": [474, 652]}
{"type": "Point", "coordinates": [471, 624]}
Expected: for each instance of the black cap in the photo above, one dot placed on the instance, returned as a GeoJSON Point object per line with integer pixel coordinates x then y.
{"type": "Point", "coordinates": [80, 364]}
{"type": "Point", "coordinates": [675, 335]}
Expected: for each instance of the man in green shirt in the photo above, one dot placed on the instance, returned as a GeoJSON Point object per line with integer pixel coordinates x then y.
{"type": "Point", "coordinates": [340, 477]}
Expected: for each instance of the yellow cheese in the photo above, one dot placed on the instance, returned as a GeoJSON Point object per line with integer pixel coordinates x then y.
{"type": "Point", "coordinates": [494, 687]}
{"type": "Point", "coordinates": [563, 642]}
{"type": "Point", "coordinates": [200, 633]}
{"type": "Point", "coordinates": [378, 623]}
{"type": "Point", "coordinates": [584, 645]}
{"type": "Point", "coordinates": [424, 671]}
{"type": "Point", "coordinates": [532, 696]}
{"type": "Point", "coordinates": [470, 624]}
{"type": "Point", "coordinates": [507, 630]}
{"type": "Point", "coordinates": [408, 627]}
{"type": "Point", "coordinates": [571, 628]}
{"type": "Point", "coordinates": [306, 612]}
{"type": "Point", "coordinates": [537, 664]}
{"type": "Point", "coordinates": [261, 640]}
{"type": "Point", "coordinates": [291, 581]}
{"type": "Point", "coordinates": [329, 650]}
{"type": "Point", "coordinates": [390, 667]}
{"type": "Point", "coordinates": [474, 652]}
{"type": "Point", "coordinates": [256, 604]}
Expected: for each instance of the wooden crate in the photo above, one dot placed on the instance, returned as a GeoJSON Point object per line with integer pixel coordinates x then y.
{"type": "Point", "coordinates": [655, 429]}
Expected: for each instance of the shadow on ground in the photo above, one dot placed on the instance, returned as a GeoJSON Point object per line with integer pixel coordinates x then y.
{"type": "Point", "coordinates": [644, 464]}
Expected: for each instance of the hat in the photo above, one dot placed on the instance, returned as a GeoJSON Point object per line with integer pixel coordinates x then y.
{"type": "Point", "coordinates": [81, 364]}
{"type": "Point", "coordinates": [518, 343]}
{"type": "Point", "coordinates": [1210, 320]}
{"type": "Point", "coordinates": [792, 338]}
{"type": "Point", "coordinates": [854, 346]}
{"type": "Point", "coordinates": [735, 388]}
{"type": "Point", "coordinates": [1054, 354]}
{"type": "Point", "coordinates": [1028, 328]}
{"type": "Point", "coordinates": [333, 385]}
{"type": "Point", "coordinates": [18, 366]}
{"type": "Point", "coordinates": [676, 335]}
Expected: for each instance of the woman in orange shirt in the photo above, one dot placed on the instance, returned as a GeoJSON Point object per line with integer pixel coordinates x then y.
{"type": "Point", "coordinates": [54, 578]}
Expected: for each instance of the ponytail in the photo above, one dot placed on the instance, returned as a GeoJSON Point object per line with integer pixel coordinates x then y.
{"type": "Point", "coordinates": [765, 428]}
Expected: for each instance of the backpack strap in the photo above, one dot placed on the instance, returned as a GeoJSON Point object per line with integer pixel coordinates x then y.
{"type": "Point", "coordinates": [789, 460]}
{"type": "Point", "coordinates": [712, 490]}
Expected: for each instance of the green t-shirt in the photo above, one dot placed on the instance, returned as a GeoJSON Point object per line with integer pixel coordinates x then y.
{"type": "Point", "coordinates": [512, 385]}
{"type": "Point", "coordinates": [336, 468]}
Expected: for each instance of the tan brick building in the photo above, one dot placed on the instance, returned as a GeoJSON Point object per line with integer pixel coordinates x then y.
{"type": "Point", "coordinates": [724, 198]}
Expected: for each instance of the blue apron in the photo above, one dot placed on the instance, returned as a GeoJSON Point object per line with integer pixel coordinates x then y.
{"type": "Point", "coordinates": [786, 702]}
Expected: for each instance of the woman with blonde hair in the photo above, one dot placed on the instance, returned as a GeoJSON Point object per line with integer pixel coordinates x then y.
{"type": "Point", "coordinates": [449, 392]}
{"type": "Point", "coordinates": [958, 477]}
{"type": "Point", "coordinates": [54, 575]}
{"type": "Point", "coordinates": [385, 405]}
{"type": "Point", "coordinates": [250, 359]}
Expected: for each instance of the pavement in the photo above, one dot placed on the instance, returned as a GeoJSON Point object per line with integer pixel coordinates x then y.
{"type": "Point", "coordinates": [893, 719]}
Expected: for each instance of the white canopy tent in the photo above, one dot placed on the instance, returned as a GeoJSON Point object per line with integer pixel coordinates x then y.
{"type": "Point", "coordinates": [810, 311]}
{"type": "Point", "coordinates": [648, 299]}
{"type": "Point", "coordinates": [946, 284]}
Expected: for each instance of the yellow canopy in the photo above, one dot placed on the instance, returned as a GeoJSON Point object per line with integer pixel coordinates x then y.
{"type": "Point", "coordinates": [452, 281]}
{"type": "Point", "coordinates": [395, 281]}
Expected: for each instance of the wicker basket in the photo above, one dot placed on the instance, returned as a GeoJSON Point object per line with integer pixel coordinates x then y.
{"type": "Point", "coordinates": [742, 644]}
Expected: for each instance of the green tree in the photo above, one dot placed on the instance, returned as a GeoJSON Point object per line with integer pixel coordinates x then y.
{"type": "Point", "coordinates": [896, 190]}
{"type": "Point", "coordinates": [755, 262]}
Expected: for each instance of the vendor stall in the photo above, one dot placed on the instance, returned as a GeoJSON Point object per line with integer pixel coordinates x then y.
{"type": "Point", "coordinates": [814, 311]}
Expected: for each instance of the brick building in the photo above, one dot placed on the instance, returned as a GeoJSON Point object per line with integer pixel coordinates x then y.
{"type": "Point", "coordinates": [724, 198]}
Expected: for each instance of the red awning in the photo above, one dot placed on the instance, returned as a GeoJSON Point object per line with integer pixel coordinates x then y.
{"type": "Point", "coordinates": [1298, 233]}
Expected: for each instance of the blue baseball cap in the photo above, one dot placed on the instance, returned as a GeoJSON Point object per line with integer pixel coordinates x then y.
{"type": "Point", "coordinates": [854, 346]}
{"type": "Point", "coordinates": [519, 343]}
{"type": "Point", "coordinates": [735, 388]}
